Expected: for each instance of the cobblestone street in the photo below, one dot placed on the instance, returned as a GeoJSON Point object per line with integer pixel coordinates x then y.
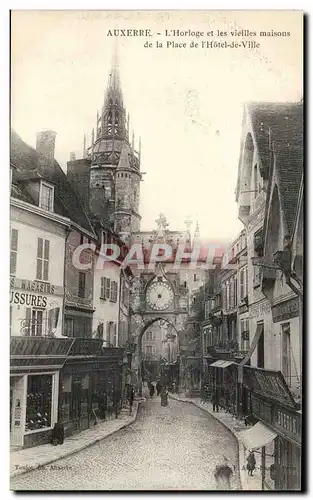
{"type": "Point", "coordinates": [173, 447]}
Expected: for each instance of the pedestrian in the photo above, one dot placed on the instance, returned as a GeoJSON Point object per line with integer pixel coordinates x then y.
{"type": "Point", "coordinates": [223, 475]}
{"type": "Point", "coordinates": [215, 401]}
{"type": "Point", "coordinates": [151, 390]}
{"type": "Point", "coordinates": [131, 399]}
{"type": "Point", "coordinates": [57, 435]}
{"type": "Point", "coordinates": [251, 463]}
{"type": "Point", "coordinates": [158, 387]}
{"type": "Point", "coordinates": [164, 396]}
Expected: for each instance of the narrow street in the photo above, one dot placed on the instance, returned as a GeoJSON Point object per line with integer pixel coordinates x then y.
{"type": "Point", "coordinates": [173, 447]}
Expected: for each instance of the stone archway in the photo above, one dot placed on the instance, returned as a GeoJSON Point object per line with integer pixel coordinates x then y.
{"type": "Point", "coordinates": [143, 322]}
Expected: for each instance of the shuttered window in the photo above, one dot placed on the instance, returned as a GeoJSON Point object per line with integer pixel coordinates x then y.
{"type": "Point", "coordinates": [107, 288]}
{"type": "Point", "coordinates": [102, 288]}
{"type": "Point", "coordinates": [113, 291]}
{"type": "Point", "coordinates": [43, 252]}
{"type": "Point", "coordinates": [13, 253]}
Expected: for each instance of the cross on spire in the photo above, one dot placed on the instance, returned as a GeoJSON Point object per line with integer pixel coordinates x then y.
{"type": "Point", "coordinates": [162, 225]}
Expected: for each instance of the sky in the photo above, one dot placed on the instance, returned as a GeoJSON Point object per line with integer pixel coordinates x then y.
{"type": "Point", "coordinates": [185, 103]}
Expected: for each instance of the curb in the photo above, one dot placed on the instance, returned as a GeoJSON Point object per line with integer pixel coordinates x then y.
{"type": "Point", "coordinates": [84, 446]}
{"type": "Point", "coordinates": [241, 453]}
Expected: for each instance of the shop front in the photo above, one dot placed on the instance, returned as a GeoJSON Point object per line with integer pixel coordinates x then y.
{"type": "Point", "coordinates": [273, 407]}
{"type": "Point", "coordinates": [90, 387]}
{"type": "Point", "coordinates": [34, 384]}
{"type": "Point", "coordinates": [224, 382]}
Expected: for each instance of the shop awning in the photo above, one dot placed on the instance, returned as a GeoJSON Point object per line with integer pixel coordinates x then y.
{"type": "Point", "coordinates": [259, 435]}
{"type": "Point", "coordinates": [221, 363]}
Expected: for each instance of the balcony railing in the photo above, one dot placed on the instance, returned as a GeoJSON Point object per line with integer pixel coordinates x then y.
{"type": "Point", "coordinates": [224, 346]}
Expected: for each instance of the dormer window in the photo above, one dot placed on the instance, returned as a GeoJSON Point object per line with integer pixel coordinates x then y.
{"type": "Point", "coordinates": [46, 196]}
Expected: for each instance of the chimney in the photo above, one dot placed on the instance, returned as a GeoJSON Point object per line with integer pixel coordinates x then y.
{"type": "Point", "coordinates": [45, 144]}
{"type": "Point", "coordinates": [72, 156]}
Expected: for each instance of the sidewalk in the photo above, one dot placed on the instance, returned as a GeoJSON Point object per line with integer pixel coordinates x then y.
{"type": "Point", "coordinates": [24, 460]}
{"type": "Point", "coordinates": [251, 483]}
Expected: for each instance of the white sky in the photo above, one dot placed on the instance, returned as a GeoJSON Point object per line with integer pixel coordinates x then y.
{"type": "Point", "coordinates": [185, 104]}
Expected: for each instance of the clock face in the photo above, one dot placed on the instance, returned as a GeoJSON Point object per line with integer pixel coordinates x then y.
{"type": "Point", "coordinates": [159, 296]}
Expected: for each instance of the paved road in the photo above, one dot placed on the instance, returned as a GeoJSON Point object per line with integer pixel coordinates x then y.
{"type": "Point", "coordinates": [173, 447]}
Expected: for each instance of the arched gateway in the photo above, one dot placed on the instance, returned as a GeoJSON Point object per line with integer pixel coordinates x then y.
{"type": "Point", "coordinates": [162, 292]}
{"type": "Point", "coordinates": [156, 298]}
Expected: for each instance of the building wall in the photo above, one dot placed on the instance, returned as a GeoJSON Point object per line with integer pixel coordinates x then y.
{"type": "Point", "coordinates": [78, 309]}
{"type": "Point", "coordinates": [107, 309]}
{"type": "Point", "coordinates": [25, 294]}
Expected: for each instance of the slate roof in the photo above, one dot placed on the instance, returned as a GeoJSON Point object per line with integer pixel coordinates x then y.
{"type": "Point", "coordinates": [284, 123]}
{"type": "Point", "coordinates": [30, 165]}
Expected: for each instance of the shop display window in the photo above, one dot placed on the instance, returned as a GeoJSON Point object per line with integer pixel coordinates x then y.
{"type": "Point", "coordinates": [39, 402]}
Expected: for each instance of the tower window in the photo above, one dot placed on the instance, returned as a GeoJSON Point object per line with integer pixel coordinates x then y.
{"type": "Point", "coordinates": [121, 175]}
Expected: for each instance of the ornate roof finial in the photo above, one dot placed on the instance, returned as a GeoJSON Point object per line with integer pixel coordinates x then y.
{"type": "Point", "coordinates": [162, 225]}
{"type": "Point", "coordinates": [133, 140]}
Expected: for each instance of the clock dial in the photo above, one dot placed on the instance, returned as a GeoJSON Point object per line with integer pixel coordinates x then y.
{"type": "Point", "coordinates": [160, 296]}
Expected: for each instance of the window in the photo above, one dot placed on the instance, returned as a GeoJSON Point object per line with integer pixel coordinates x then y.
{"type": "Point", "coordinates": [114, 335]}
{"type": "Point", "coordinates": [286, 353]}
{"type": "Point", "coordinates": [257, 276]}
{"type": "Point", "coordinates": [113, 291]}
{"type": "Point", "coordinates": [37, 323]}
{"type": "Point", "coordinates": [194, 277]}
{"type": "Point", "coordinates": [110, 333]}
{"type": "Point", "coordinates": [260, 351]}
{"type": "Point", "coordinates": [43, 250]}
{"type": "Point", "coordinates": [149, 335]}
{"type": "Point", "coordinates": [39, 402]}
{"type": "Point", "coordinates": [46, 197]}
{"type": "Point", "coordinates": [185, 284]}
{"type": "Point", "coordinates": [107, 288]}
{"type": "Point", "coordinates": [69, 327]}
{"type": "Point", "coordinates": [150, 350]}
{"type": "Point", "coordinates": [100, 331]}
{"type": "Point", "coordinates": [13, 253]}
{"type": "Point", "coordinates": [235, 291]}
{"type": "Point", "coordinates": [227, 295]}
{"type": "Point", "coordinates": [81, 239]}
{"type": "Point", "coordinates": [81, 285]}
{"type": "Point", "coordinates": [243, 282]}
{"type": "Point", "coordinates": [245, 335]}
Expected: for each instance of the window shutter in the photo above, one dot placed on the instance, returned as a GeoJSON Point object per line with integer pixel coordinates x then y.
{"type": "Point", "coordinates": [47, 249]}
{"type": "Point", "coordinates": [102, 288]}
{"type": "Point", "coordinates": [40, 248]}
{"type": "Point", "coordinates": [114, 335]}
{"type": "Point", "coordinates": [107, 288]}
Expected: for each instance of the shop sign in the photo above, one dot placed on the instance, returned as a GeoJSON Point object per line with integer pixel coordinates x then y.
{"type": "Point", "coordinates": [23, 346]}
{"type": "Point", "coordinates": [270, 384]}
{"type": "Point", "coordinates": [28, 299]}
{"type": "Point", "coordinates": [286, 310]}
{"type": "Point", "coordinates": [288, 423]}
{"type": "Point", "coordinates": [35, 286]}
{"type": "Point", "coordinates": [259, 310]}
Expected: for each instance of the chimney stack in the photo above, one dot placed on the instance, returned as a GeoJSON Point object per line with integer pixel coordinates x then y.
{"type": "Point", "coordinates": [45, 144]}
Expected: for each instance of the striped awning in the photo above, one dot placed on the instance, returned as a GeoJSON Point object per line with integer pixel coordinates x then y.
{"type": "Point", "coordinates": [221, 363]}
{"type": "Point", "coordinates": [259, 435]}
